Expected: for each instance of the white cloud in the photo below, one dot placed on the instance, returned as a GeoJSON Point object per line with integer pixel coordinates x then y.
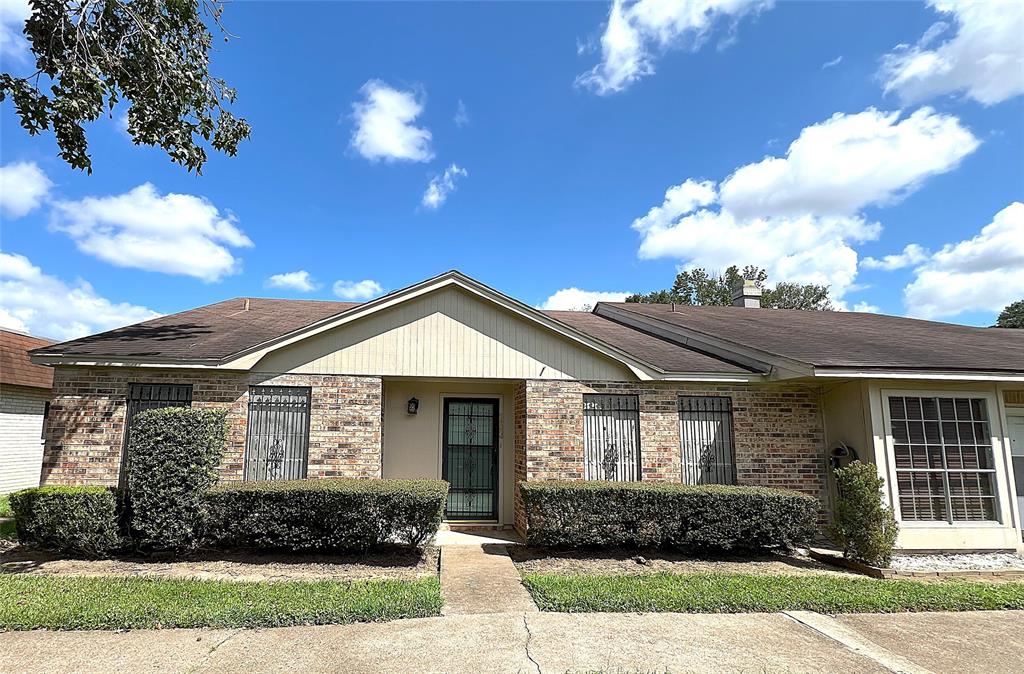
{"type": "Point", "coordinates": [357, 290]}
{"type": "Point", "coordinates": [23, 186]}
{"type": "Point", "coordinates": [637, 30]}
{"type": "Point", "coordinates": [384, 125]}
{"type": "Point", "coordinates": [984, 59]}
{"type": "Point", "coordinates": [461, 115]}
{"type": "Point", "coordinates": [441, 186]}
{"type": "Point", "coordinates": [983, 273]}
{"type": "Point", "coordinates": [798, 216]}
{"type": "Point", "coordinates": [13, 44]}
{"type": "Point", "coordinates": [574, 299]}
{"type": "Point", "coordinates": [174, 233]}
{"type": "Point", "coordinates": [912, 254]}
{"type": "Point", "coordinates": [834, 62]}
{"type": "Point", "coordinates": [44, 305]}
{"type": "Point", "coordinates": [848, 162]}
{"type": "Point", "coordinates": [865, 307]}
{"type": "Point", "coordinates": [293, 280]}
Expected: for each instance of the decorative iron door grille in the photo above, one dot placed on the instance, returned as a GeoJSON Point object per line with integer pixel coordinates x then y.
{"type": "Point", "coordinates": [142, 397]}
{"type": "Point", "coordinates": [469, 459]}
{"type": "Point", "coordinates": [277, 440]}
{"type": "Point", "coordinates": [611, 437]}
{"type": "Point", "coordinates": [705, 436]}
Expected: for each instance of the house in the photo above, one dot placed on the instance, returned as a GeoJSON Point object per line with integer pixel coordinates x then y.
{"type": "Point", "coordinates": [24, 400]}
{"type": "Point", "coordinates": [450, 378]}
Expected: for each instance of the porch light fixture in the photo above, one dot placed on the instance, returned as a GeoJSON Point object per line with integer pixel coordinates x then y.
{"type": "Point", "coordinates": [413, 406]}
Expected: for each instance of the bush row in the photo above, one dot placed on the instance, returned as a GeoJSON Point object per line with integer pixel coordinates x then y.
{"type": "Point", "coordinates": [665, 515]}
{"type": "Point", "coordinates": [170, 502]}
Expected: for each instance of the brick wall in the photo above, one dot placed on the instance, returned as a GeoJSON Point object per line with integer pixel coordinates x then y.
{"type": "Point", "coordinates": [21, 426]}
{"type": "Point", "coordinates": [778, 433]}
{"type": "Point", "coordinates": [87, 416]}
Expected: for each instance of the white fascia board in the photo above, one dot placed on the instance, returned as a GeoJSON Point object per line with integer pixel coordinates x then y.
{"type": "Point", "coordinates": [100, 361]}
{"type": "Point", "coordinates": [772, 366]}
{"type": "Point", "coordinates": [852, 373]}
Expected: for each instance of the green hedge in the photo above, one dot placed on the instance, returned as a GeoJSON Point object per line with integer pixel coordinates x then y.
{"type": "Point", "coordinates": [665, 515]}
{"type": "Point", "coordinates": [173, 455]}
{"type": "Point", "coordinates": [74, 520]}
{"type": "Point", "coordinates": [863, 526]}
{"type": "Point", "coordinates": [328, 514]}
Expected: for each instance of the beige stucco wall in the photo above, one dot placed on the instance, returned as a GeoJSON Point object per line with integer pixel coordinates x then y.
{"type": "Point", "coordinates": [446, 333]}
{"type": "Point", "coordinates": [412, 443]}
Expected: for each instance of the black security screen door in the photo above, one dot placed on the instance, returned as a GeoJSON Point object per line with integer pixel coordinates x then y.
{"type": "Point", "coordinates": [142, 397]}
{"type": "Point", "coordinates": [277, 441]}
{"type": "Point", "coordinates": [470, 458]}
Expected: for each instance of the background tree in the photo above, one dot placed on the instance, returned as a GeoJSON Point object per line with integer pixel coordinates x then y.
{"type": "Point", "coordinates": [1012, 316]}
{"type": "Point", "coordinates": [154, 54]}
{"type": "Point", "coordinates": [698, 287]}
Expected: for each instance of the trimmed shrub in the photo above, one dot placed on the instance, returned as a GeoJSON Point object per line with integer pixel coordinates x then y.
{"type": "Point", "coordinates": [666, 515]}
{"type": "Point", "coordinates": [329, 514]}
{"type": "Point", "coordinates": [863, 526]}
{"type": "Point", "coordinates": [74, 520]}
{"type": "Point", "coordinates": [173, 455]}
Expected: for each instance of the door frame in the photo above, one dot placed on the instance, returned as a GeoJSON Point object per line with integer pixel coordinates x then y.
{"type": "Point", "coordinates": [497, 399]}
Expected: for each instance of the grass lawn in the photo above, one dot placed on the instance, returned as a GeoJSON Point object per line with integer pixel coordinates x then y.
{"type": "Point", "coordinates": [5, 507]}
{"type": "Point", "coordinates": [30, 602]}
{"type": "Point", "coordinates": [735, 593]}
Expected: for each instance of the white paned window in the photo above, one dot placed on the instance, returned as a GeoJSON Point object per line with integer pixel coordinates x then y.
{"type": "Point", "coordinates": [942, 447]}
{"type": "Point", "coordinates": [611, 437]}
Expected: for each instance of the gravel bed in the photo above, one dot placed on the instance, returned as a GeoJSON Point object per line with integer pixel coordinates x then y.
{"type": "Point", "coordinates": [988, 561]}
{"type": "Point", "coordinates": [397, 564]}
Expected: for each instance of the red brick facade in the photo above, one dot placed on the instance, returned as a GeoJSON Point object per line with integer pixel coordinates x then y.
{"type": "Point", "coordinates": [85, 428]}
{"type": "Point", "coordinates": [778, 432]}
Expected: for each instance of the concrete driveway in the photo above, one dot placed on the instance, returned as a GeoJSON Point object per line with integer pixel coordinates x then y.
{"type": "Point", "coordinates": [550, 642]}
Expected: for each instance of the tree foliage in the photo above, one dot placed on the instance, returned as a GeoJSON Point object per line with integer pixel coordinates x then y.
{"type": "Point", "coordinates": [154, 54]}
{"type": "Point", "coordinates": [1012, 316]}
{"type": "Point", "coordinates": [699, 287]}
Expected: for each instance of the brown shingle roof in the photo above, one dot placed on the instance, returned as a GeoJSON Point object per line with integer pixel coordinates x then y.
{"type": "Point", "coordinates": [849, 339]}
{"type": "Point", "coordinates": [15, 368]}
{"type": "Point", "coordinates": [213, 332]}
{"type": "Point", "coordinates": [648, 348]}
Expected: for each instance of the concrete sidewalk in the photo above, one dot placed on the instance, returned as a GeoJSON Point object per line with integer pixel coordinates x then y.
{"type": "Point", "coordinates": [543, 642]}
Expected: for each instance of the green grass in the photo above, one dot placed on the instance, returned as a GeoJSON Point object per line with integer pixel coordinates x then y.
{"type": "Point", "coordinates": [735, 593]}
{"type": "Point", "coordinates": [31, 602]}
{"type": "Point", "coordinates": [5, 507]}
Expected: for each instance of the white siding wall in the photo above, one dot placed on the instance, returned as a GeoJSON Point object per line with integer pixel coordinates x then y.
{"type": "Point", "coordinates": [21, 427]}
{"type": "Point", "coordinates": [448, 333]}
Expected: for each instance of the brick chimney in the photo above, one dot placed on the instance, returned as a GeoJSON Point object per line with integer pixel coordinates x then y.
{"type": "Point", "coordinates": [746, 294]}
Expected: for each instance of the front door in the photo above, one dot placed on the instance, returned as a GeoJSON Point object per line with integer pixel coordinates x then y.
{"type": "Point", "coordinates": [469, 460]}
{"type": "Point", "coordinates": [1015, 421]}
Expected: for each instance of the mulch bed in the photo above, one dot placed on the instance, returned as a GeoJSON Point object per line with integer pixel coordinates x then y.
{"type": "Point", "coordinates": [620, 562]}
{"type": "Point", "coordinates": [387, 564]}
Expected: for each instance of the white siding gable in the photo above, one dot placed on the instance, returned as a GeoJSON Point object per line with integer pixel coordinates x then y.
{"type": "Point", "coordinates": [446, 333]}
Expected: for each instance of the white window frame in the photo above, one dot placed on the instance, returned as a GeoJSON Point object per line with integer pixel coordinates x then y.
{"type": "Point", "coordinates": [996, 436]}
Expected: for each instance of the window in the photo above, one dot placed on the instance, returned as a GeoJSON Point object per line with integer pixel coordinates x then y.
{"type": "Point", "coordinates": [611, 437]}
{"type": "Point", "coordinates": [942, 448]}
{"type": "Point", "coordinates": [277, 440]}
{"type": "Point", "coordinates": [705, 438]}
{"type": "Point", "coordinates": [142, 397]}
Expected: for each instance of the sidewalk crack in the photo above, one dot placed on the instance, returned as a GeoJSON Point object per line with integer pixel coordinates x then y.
{"type": "Point", "coordinates": [529, 638]}
{"type": "Point", "coordinates": [199, 666]}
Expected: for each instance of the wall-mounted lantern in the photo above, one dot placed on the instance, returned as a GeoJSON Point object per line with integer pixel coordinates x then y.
{"type": "Point", "coordinates": [413, 406]}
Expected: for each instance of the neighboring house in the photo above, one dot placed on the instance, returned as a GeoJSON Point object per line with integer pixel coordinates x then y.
{"type": "Point", "coordinates": [24, 398]}
{"type": "Point", "coordinates": [449, 378]}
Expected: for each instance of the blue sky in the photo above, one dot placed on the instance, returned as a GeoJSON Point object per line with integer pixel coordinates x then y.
{"type": "Point", "coordinates": [570, 146]}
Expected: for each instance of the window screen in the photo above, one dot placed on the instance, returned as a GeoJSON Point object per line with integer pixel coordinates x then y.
{"type": "Point", "coordinates": [611, 437]}
{"type": "Point", "coordinates": [277, 439]}
{"type": "Point", "coordinates": [705, 438]}
{"type": "Point", "coordinates": [943, 453]}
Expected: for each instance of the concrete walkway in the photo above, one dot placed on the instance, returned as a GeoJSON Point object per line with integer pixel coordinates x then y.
{"type": "Point", "coordinates": [989, 642]}
{"type": "Point", "coordinates": [479, 579]}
